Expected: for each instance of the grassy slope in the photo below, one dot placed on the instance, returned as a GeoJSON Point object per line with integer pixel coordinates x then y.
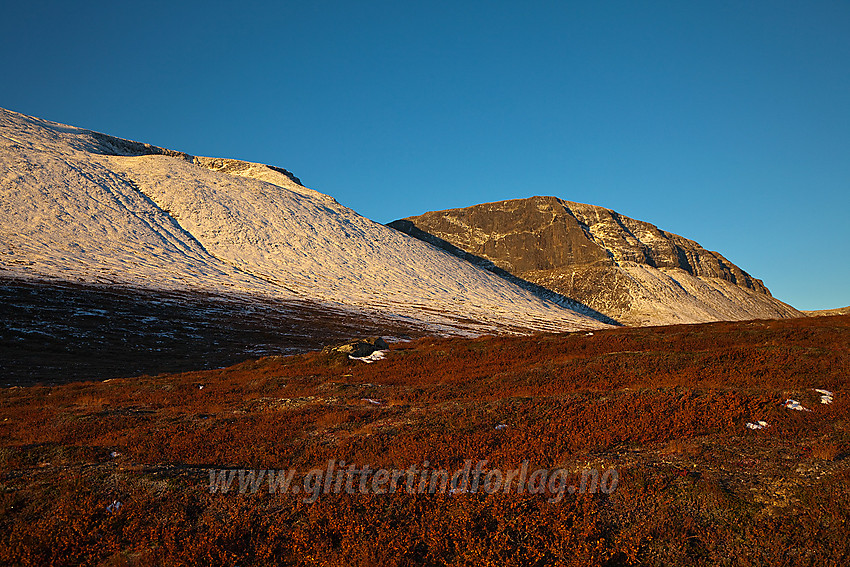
{"type": "Point", "coordinates": [666, 406]}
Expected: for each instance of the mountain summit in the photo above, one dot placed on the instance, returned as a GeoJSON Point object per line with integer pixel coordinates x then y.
{"type": "Point", "coordinates": [626, 269]}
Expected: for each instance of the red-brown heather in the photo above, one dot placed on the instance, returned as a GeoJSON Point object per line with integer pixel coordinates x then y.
{"type": "Point", "coordinates": [666, 406]}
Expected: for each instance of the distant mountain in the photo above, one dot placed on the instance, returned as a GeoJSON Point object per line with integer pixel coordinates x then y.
{"type": "Point", "coordinates": [81, 206]}
{"type": "Point", "coordinates": [628, 270]}
{"type": "Point", "coordinates": [828, 312]}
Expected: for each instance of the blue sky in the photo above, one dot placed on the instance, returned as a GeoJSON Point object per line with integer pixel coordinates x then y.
{"type": "Point", "coordinates": [725, 122]}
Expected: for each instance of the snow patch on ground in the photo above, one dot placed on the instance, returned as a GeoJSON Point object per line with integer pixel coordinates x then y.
{"type": "Point", "coordinates": [826, 396]}
{"type": "Point", "coordinates": [795, 405]}
{"type": "Point", "coordinates": [369, 359]}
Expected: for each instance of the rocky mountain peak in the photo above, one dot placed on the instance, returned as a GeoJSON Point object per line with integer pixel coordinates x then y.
{"type": "Point", "coordinates": [627, 269]}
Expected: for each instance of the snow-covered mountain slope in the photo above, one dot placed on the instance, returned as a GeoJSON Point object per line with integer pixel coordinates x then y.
{"type": "Point", "coordinates": [82, 206]}
{"type": "Point", "coordinates": [626, 269]}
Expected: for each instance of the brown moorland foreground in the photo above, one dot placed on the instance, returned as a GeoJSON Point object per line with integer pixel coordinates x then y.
{"type": "Point", "coordinates": [667, 407]}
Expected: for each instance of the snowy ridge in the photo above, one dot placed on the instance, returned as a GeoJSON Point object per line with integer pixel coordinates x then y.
{"type": "Point", "coordinates": [82, 206]}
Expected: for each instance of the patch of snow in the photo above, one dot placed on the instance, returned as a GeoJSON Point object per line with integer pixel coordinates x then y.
{"type": "Point", "coordinates": [374, 357]}
{"type": "Point", "coordinates": [795, 405]}
{"type": "Point", "coordinates": [91, 312]}
{"type": "Point", "coordinates": [758, 425]}
{"type": "Point", "coordinates": [826, 396]}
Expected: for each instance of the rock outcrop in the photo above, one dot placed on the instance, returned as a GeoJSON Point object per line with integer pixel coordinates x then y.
{"type": "Point", "coordinates": [359, 348]}
{"type": "Point", "coordinates": [626, 269]}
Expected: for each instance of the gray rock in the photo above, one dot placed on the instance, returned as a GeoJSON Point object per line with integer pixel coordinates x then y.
{"type": "Point", "coordinates": [361, 347]}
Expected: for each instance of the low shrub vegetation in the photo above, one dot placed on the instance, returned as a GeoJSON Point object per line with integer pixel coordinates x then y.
{"type": "Point", "coordinates": [667, 407]}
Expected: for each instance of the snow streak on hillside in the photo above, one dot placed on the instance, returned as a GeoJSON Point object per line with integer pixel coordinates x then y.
{"type": "Point", "coordinates": [81, 206]}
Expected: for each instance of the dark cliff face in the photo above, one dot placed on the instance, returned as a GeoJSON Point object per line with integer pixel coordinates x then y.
{"type": "Point", "coordinates": [546, 233]}
{"type": "Point", "coordinates": [581, 251]}
{"type": "Point", "coordinates": [519, 236]}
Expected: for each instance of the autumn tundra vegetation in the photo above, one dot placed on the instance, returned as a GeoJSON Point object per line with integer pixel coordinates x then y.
{"type": "Point", "coordinates": [117, 472]}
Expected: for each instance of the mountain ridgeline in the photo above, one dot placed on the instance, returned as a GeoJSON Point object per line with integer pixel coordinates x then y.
{"type": "Point", "coordinates": [84, 207]}
{"type": "Point", "coordinates": [87, 208]}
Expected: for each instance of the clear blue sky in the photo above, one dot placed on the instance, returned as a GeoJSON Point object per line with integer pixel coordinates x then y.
{"type": "Point", "coordinates": [725, 122]}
